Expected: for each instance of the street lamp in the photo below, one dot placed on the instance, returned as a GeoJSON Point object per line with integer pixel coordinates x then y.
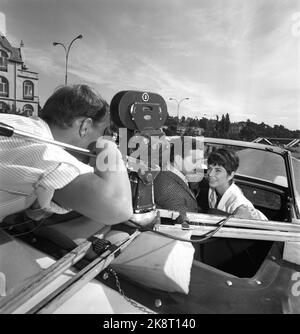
{"type": "Point", "coordinates": [67, 50]}
{"type": "Point", "coordinates": [178, 103]}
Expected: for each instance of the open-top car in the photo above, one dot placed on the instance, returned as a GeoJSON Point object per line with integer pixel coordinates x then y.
{"type": "Point", "coordinates": [248, 266]}
{"type": "Point", "coordinates": [240, 265]}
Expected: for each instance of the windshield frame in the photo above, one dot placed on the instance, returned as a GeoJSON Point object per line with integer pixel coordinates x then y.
{"type": "Point", "coordinates": [245, 145]}
{"type": "Point", "coordinates": [291, 175]}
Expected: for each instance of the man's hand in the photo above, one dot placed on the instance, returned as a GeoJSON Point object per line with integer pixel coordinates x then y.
{"type": "Point", "coordinates": [104, 196]}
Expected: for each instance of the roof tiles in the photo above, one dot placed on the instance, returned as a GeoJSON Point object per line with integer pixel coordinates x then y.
{"type": "Point", "coordinates": [15, 54]}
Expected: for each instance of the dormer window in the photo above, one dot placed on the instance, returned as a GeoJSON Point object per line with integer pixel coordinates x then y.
{"type": "Point", "coordinates": [3, 86]}
{"type": "Point", "coordinates": [3, 60]}
{"type": "Point", "coordinates": [28, 90]}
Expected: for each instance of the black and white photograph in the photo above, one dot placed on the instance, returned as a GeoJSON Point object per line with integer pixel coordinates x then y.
{"type": "Point", "coordinates": [149, 159]}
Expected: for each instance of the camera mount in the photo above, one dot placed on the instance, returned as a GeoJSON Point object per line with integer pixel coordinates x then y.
{"type": "Point", "coordinates": [143, 114]}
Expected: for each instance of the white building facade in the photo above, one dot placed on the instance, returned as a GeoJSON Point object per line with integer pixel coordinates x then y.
{"type": "Point", "coordinates": [18, 85]}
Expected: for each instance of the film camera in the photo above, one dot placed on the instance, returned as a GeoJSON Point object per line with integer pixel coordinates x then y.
{"type": "Point", "coordinates": [139, 117]}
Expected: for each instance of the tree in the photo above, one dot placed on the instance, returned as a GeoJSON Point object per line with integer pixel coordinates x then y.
{"type": "Point", "coordinates": [217, 127]}
{"type": "Point", "coordinates": [248, 132]}
{"type": "Point", "coordinates": [171, 130]}
{"type": "Point", "coordinates": [203, 123]}
{"type": "Point", "coordinates": [192, 122]}
{"type": "Point", "coordinates": [171, 121]}
{"type": "Point", "coordinates": [222, 126]}
{"type": "Point", "coordinates": [227, 123]}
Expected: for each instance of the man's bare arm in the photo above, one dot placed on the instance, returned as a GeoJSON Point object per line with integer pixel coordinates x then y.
{"type": "Point", "coordinates": [104, 196]}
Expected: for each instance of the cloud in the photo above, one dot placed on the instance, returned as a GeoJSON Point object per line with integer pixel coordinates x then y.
{"type": "Point", "coordinates": [42, 61]}
{"type": "Point", "coordinates": [226, 56]}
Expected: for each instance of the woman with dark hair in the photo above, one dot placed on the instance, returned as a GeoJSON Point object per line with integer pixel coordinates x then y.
{"type": "Point", "coordinates": [223, 194]}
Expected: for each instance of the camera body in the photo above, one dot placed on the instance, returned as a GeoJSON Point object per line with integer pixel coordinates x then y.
{"type": "Point", "coordinates": [139, 111]}
{"type": "Point", "coordinates": [139, 117]}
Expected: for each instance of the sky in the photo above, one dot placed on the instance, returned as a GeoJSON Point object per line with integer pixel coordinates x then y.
{"type": "Point", "coordinates": [240, 57]}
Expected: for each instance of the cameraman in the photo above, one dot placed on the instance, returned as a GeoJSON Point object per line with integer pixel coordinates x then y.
{"type": "Point", "coordinates": [45, 177]}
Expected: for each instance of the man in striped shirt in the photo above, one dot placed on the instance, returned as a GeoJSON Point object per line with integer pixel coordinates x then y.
{"type": "Point", "coordinates": [45, 177]}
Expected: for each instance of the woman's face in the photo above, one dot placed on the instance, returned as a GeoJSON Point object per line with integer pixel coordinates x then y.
{"type": "Point", "coordinates": [218, 177]}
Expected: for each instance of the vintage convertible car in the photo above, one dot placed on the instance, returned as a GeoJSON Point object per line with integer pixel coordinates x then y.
{"type": "Point", "coordinates": [248, 266]}
{"type": "Point", "coordinates": [245, 266]}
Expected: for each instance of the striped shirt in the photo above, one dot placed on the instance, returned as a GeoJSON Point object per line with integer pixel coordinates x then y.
{"type": "Point", "coordinates": [30, 170]}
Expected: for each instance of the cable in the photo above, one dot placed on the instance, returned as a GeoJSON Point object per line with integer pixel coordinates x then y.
{"type": "Point", "coordinates": [222, 222]}
{"type": "Point", "coordinates": [23, 223]}
{"type": "Point", "coordinates": [209, 235]}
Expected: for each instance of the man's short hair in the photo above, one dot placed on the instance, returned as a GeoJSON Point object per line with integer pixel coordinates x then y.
{"type": "Point", "coordinates": [179, 146]}
{"type": "Point", "coordinates": [225, 158]}
{"type": "Point", "coordinates": [70, 102]}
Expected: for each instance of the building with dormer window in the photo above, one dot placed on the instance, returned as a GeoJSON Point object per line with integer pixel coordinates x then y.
{"type": "Point", "coordinates": [18, 85]}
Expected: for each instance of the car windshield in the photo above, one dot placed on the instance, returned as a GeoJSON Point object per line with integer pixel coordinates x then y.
{"type": "Point", "coordinates": [256, 163]}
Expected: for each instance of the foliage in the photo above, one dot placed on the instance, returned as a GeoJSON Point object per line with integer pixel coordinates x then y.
{"type": "Point", "coordinates": [224, 128]}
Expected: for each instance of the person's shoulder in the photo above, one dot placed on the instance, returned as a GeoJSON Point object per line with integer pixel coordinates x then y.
{"type": "Point", "coordinates": [236, 198]}
{"type": "Point", "coordinates": [166, 181]}
{"type": "Point", "coordinates": [235, 192]}
{"type": "Point", "coordinates": [35, 126]}
{"type": "Point", "coordinates": [163, 176]}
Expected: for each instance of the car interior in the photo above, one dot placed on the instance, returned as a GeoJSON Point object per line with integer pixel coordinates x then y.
{"type": "Point", "coordinates": [242, 257]}
{"type": "Point", "coordinates": [60, 233]}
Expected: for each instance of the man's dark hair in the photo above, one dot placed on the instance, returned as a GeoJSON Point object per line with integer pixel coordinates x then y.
{"type": "Point", "coordinates": [225, 158]}
{"type": "Point", "coordinates": [70, 102]}
{"type": "Point", "coordinates": [184, 141]}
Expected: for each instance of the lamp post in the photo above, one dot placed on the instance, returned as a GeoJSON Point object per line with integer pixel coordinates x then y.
{"type": "Point", "coordinates": [67, 50]}
{"type": "Point", "coordinates": [178, 103]}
